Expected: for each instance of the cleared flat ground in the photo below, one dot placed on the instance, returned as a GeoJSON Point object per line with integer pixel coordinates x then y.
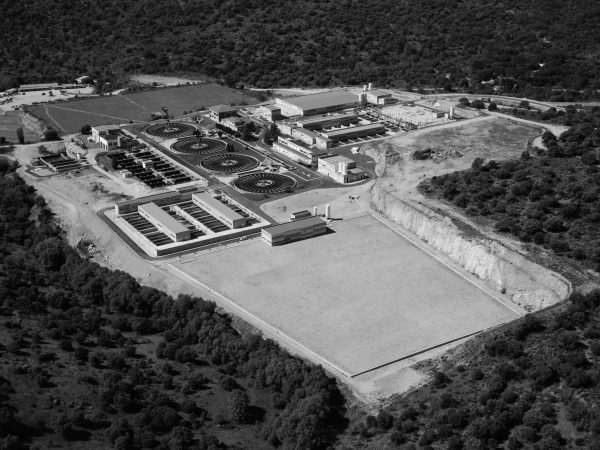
{"type": "Point", "coordinates": [9, 122]}
{"type": "Point", "coordinates": [69, 117]}
{"type": "Point", "coordinates": [359, 298]}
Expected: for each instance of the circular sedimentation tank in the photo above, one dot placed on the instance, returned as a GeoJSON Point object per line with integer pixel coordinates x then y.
{"type": "Point", "coordinates": [170, 129]}
{"type": "Point", "coordinates": [199, 145]}
{"type": "Point", "coordinates": [265, 183]}
{"type": "Point", "coordinates": [230, 163]}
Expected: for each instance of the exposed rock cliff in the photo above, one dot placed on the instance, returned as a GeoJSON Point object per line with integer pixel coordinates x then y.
{"type": "Point", "coordinates": [507, 270]}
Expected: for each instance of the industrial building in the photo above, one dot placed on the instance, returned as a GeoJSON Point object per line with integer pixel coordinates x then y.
{"type": "Point", "coordinates": [354, 132]}
{"type": "Point", "coordinates": [312, 104]}
{"type": "Point", "coordinates": [39, 87]}
{"type": "Point", "coordinates": [329, 121]}
{"type": "Point", "coordinates": [220, 112]}
{"type": "Point", "coordinates": [108, 136]}
{"type": "Point", "coordinates": [340, 169]}
{"type": "Point", "coordinates": [219, 210]}
{"type": "Point", "coordinates": [270, 112]}
{"type": "Point", "coordinates": [164, 223]}
{"type": "Point", "coordinates": [235, 123]}
{"type": "Point", "coordinates": [166, 198]}
{"type": "Point", "coordinates": [296, 150]}
{"type": "Point", "coordinates": [176, 221]}
{"type": "Point", "coordinates": [295, 230]}
{"type": "Point", "coordinates": [379, 97]}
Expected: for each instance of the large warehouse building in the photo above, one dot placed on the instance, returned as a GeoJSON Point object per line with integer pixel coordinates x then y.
{"type": "Point", "coordinates": [164, 222]}
{"type": "Point", "coordinates": [308, 105]}
{"type": "Point", "coordinates": [219, 210]}
{"type": "Point", "coordinates": [294, 230]}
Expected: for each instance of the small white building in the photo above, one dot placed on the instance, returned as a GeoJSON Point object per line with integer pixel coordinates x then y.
{"type": "Point", "coordinates": [340, 169]}
{"type": "Point", "coordinates": [83, 79]}
{"type": "Point", "coordinates": [108, 136]}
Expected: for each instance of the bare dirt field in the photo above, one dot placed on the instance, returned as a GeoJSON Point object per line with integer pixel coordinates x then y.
{"type": "Point", "coordinates": [68, 117]}
{"type": "Point", "coordinates": [360, 297]}
{"type": "Point", "coordinates": [487, 137]}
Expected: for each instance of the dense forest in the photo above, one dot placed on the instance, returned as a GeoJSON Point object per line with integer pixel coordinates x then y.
{"type": "Point", "coordinates": [537, 49]}
{"type": "Point", "coordinates": [91, 359]}
{"type": "Point", "coordinates": [550, 196]}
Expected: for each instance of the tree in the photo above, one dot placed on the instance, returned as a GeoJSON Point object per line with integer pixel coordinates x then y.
{"type": "Point", "coordinates": [524, 104]}
{"type": "Point", "coordinates": [492, 106]}
{"type": "Point", "coordinates": [86, 129]}
{"type": "Point", "coordinates": [237, 403]}
{"type": "Point", "coordinates": [51, 135]}
{"type": "Point", "coordinates": [20, 135]}
{"type": "Point", "coordinates": [477, 104]}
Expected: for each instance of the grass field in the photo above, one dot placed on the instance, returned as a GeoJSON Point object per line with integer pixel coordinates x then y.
{"type": "Point", "coordinates": [359, 298]}
{"type": "Point", "coordinates": [9, 122]}
{"type": "Point", "coordinates": [68, 117]}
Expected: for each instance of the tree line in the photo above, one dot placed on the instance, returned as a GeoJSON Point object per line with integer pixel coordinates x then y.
{"type": "Point", "coordinates": [539, 49]}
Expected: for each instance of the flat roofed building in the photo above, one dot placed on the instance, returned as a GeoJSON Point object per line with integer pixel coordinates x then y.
{"type": "Point", "coordinates": [293, 154]}
{"type": "Point", "coordinates": [336, 120]}
{"type": "Point", "coordinates": [219, 112]}
{"type": "Point", "coordinates": [219, 210]}
{"type": "Point", "coordinates": [359, 131]}
{"type": "Point", "coordinates": [38, 87]}
{"type": "Point", "coordinates": [378, 96]}
{"type": "Point", "coordinates": [300, 215]}
{"type": "Point", "coordinates": [324, 102]}
{"type": "Point", "coordinates": [129, 206]}
{"type": "Point", "coordinates": [164, 222]}
{"type": "Point", "coordinates": [294, 230]}
{"type": "Point", "coordinates": [270, 112]}
{"type": "Point", "coordinates": [236, 123]}
{"type": "Point", "coordinates": [307, 136]}
{"type": "Point", "coordinates": [340, 169]}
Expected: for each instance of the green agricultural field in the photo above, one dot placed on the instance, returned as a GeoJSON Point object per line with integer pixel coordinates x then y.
{"type": "Point", "coordinates": [68, 117]}
{"type": "Point", "coordinates": [9, 122]}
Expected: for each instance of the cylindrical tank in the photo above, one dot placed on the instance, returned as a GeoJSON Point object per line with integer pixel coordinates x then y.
{"type": "Point", "coordinates": [370, 86]}
{"type": "Point", "coordinates": [365, 88]}
{"type": "Point", "coordinates": [327, 211]}
{"type": "Point", "coordinates": [315, 211]}
{"type": "Point", "coordinates": [119, 141]}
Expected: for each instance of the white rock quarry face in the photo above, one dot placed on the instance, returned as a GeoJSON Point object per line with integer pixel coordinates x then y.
{"type": "Point", "coordinates": [526, 282]}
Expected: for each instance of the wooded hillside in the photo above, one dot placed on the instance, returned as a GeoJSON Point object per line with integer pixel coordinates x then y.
{"type": "Point", "coordinates": [534, 46]}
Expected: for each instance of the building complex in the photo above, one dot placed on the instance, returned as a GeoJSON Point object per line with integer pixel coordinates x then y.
{"type": "Point", "coordinates": [176, 221]}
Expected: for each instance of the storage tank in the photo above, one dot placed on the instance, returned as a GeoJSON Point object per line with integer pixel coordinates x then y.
{"type": "Point", "coordinates": [362, 98]}
{"type": "Point", "coordinates": [315, 211]}
{"type": "Point", "coordinates": [365, 88]}
{"type": "Point", "coordinates": [327, 211]}
{"type": "Point", "coordinates": [370, 86]}
{"type": "Point", "coordinates": [119, 141]}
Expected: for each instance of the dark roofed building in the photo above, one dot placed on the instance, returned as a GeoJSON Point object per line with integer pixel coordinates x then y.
{"type": "Point", "coordinates": [219, 112]}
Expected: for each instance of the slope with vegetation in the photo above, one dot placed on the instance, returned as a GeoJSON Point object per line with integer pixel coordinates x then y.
{"type": "Point", "coordinates": [550, 196]}
{"type": "Point", "coordinates": [89, 358]}
{"type": "Point", "coordinates": [533, 46]}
